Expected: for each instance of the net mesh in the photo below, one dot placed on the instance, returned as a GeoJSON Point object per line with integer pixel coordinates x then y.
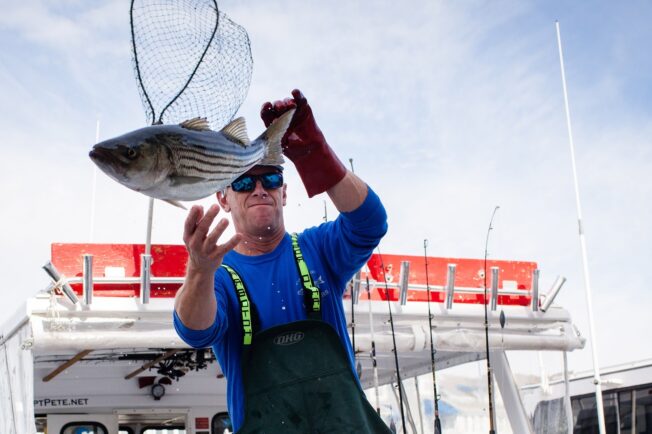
{"type": "Point", "coordinates": [190, 60]}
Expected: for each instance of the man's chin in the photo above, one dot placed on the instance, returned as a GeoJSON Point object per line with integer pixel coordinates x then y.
{"type": "Point", "coordinates": [265, 224]}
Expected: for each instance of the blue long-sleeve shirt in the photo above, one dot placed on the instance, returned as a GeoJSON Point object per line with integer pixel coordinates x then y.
{"type": "Point", "coordinates": [333, 251]}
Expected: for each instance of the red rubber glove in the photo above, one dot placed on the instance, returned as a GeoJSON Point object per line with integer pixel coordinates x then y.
{"type": "Point", "coordinates": [305, 145]}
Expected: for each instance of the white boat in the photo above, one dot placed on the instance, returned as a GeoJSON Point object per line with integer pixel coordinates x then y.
{"type": "Point", "coordinates": [627, 395]}
{"type": "Point", "coordinates": [96, 351]}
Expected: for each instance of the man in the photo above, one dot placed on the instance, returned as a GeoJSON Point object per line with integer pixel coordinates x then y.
{"type": "Point", "coordinates": [270, 303]}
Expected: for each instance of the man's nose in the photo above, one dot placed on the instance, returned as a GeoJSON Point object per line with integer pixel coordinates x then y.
{"type": "Point", "coordinates": [260, 190]}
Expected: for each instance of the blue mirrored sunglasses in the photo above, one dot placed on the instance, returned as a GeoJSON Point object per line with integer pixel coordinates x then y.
{"type": "Point", "coordinates": [246, 183]}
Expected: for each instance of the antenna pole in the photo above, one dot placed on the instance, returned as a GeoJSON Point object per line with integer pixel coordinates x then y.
{"type": "Point", "coordinates": [585, 267]}
{"type": "Point", "coordinates": [150, 217]}
{"type": "Point", "coordinates": [94, 188]}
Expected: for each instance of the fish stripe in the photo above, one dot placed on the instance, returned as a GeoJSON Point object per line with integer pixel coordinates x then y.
{"type": "Point", "coordinates": [218, 163]}
{"type": "Point", "coordinates": [229, 161]}
{"type": "Point", "coordinates": [214, 153]}
{"type": "Point", "coordinates": [219, 166]}
{"type": "Point", "coordinates": [227, 175]}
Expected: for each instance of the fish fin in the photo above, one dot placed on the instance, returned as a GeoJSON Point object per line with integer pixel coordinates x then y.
{"type": "Point", "coordinates": [236, 130]}
{"type": "Point", "coordinates": [175, 203]}
{"type": "Point", "coordinates": [197, 124]}
{"type": "Point", "coordinates": [273, 137]}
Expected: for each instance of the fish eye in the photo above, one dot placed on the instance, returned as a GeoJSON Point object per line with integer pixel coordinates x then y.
{"type": "Point", "coordinates": [131, 153]}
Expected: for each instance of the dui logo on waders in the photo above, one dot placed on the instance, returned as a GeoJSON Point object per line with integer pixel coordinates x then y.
{"type": "Point", "coordinates": [289, 338]}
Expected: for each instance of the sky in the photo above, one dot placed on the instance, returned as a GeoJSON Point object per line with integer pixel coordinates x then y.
{"type": "Point", "coordinates": [446, 108]}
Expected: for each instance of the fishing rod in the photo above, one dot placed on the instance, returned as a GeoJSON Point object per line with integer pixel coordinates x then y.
{"type": "Point", "coordinates": [353, 295]}
{"type": "Point", "coordinates": [352, 291]}
{"type": "Point", "coordinates": [374, 363]}
{"type": "Point", "coordinates": [432, 346]}
{"type": "Point", "coordinates": [486, 330]}
{"type": "Point", "coordinates": [391, 322]}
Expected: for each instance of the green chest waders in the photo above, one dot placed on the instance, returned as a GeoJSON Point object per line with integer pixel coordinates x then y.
{"type": "Point", "coordinates": [297, 376]}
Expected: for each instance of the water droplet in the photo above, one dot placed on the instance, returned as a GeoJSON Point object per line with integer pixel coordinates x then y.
{"type": "Point", "coordinates": [283, 308]}
{"type": "Point", "coordinates": [269, 228]}
{"type": "Point", "coordinates": [260, 238]}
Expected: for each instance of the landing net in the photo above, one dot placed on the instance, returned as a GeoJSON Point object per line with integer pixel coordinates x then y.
{"type": "Point", "coordinates": [190, 60]}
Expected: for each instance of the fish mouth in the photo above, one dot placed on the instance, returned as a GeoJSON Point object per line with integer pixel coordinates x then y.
{"type": "Point", "coordinates": [108, 162]}
{"type": "Point", "coordinates": [99, 154]}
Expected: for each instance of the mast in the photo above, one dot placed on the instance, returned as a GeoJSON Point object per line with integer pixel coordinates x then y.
{"type": "Point", "coordinates": [94, 188]}
{"type": "Point", "coordinates": [585, 267]}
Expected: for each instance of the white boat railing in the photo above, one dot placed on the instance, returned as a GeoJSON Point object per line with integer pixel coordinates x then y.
{"type": "Point", "coordinates": [146, 280]}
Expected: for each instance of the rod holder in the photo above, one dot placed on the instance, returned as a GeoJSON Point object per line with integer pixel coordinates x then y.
{"type": "Point", "coordinates": [145, 277]}
{"type": "Point", "coordinates": [450, 286]}
{"type": "Point", "coordinates": [535, 290]}
{"type": "Point", "coordinates": [355, 288]}
{"type": "Point", "coordinates": [403, 278]}
{"type": "Point", "coordinates": [60, 282]}
{"type": "Point", "coordinates": [88, 279]}
{"type": "Point", "coordinates": [494, 287]}
{"type": "Point", "coordinates": [552, 293]}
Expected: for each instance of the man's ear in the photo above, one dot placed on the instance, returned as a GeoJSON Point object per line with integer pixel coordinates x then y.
{"type": "Point", "coordinates": [221, 199]}
{"type": "Point", "coordinates": [285, 194]}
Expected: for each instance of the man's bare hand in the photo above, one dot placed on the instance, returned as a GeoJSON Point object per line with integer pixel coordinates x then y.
{"type": "Point", "coordinates": [204, 253]}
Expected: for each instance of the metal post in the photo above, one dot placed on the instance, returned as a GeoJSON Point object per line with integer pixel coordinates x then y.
{"type": "Point", "coordinates": [88, 279]}
{"type": "Point", "coordinates": [450, 286]}
{"type": "Point", "coordinates": [408, 408]}
{"type": "Point", "coordinates": [403, 281]}
{"type": "Point", "coordinates": [355, 288]}
{"type": "Point", "coordinates": [150, 218]}
{"type": "Point", "coordinates": [552, 293]}
{"type": "Point", "coordinates": [60, 282]}
{"type": "Point", "coordinates": [416, 386]}
{"type": "Point", "coordinates": [567, 400]}
{"type": "Point", "coordinates": [494, 288]}
{"type": "Point", "coordinates": [535, 290]}
{"type": "Point", "coordinates": [509, 391]}
{"type": "Point", "coordinates": [145, 274]}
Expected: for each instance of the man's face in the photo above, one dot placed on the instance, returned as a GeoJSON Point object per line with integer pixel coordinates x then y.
{"type": "Point", "coordinates": [258, 212]}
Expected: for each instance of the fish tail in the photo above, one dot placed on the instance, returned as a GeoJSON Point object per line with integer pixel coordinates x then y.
{"type": "Point", "coordinates": [272, 138]}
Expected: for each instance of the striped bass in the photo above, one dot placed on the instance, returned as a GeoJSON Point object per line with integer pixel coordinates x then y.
{"type": "Point", "coordinates": [188, 161]}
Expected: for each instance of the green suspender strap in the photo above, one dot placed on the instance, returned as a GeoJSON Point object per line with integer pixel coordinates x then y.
{"type": "Point", "coordinates": [249, 315]}
{"type": "Point", "coordinates": [311, 293]}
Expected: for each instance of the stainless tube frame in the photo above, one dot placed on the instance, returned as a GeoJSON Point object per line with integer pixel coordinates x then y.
{"type": "Point", "coordinates": [87, 275]}
{"type": "Point", "coordinates": [494, 287]}
{"type": "Point", "coordinates": [554, 290]}
{"type": "Point", "coordinates": [355, 287]}
{"type": "Point", "coordinates": [60, 282]}
{"type": "Point", "coordinates": [145, 277]}
{"type": "Point", "coordinates": [450, 286]}
{"type": "Point", "coordinates": [535, 290]}
{"type": "Point", "coordinates": [404, 276]}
